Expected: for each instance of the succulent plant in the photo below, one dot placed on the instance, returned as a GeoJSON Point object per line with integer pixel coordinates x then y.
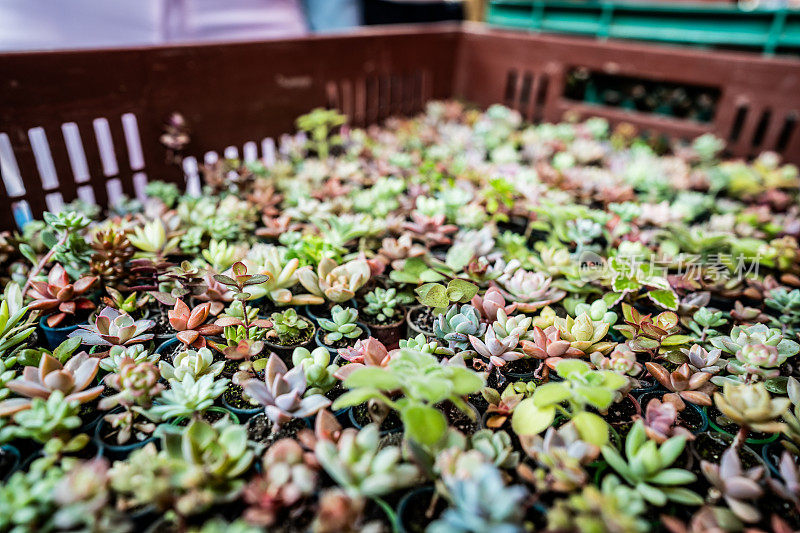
{"type": "Point", "coordinates": [152, 239]}
{"type": "Point", "coordinates": [113, 328]}
{"type": "Point", "coordinates": [282, 393]}
{"type": "Point", "coordinates": [490, 303]}
{"type": "Point", "coordinates": [71, 379]}
{"type": "Point", "coordinates": [584, 334]}
{"type": "Point", "coordinates": [335, 283]}
{"type": "Point", "coordinates": [621, 360]}
{"type": "Point", "coordinates": [787, 303]}
{"type": "Point", "coordinates": [660, 419]}
{"type": "Point", "coordinates": [581, 387]}
{"type": "Point", "coordinates": [751, 406]}
{"type": "Point", "coordinates": [340, 513]}
{"type": "Point", "coordinates": [430, 231]}
{"type": "Point", "coordinates": [132, 303]}
{"type": "Point", "coordinates": [501, 406]}
{"type": "Point", "coordinates": [135, 352]}
{"type": "Point", "coordinates": [757, 334]}
{"type": "Point", "coordinates": [702, 360]}
{"type": "Point", "coordinates": [788, 487]}
{"type": "Point", "coordinates": [423, 382]}
{"type": "Point", "coordinates": [734, 485]}
{"type": "Point", "coordinates": [482, 503]}
{"type": "Point", "coordinates": [612, 507]}
{"type": "Point", "coordinates": [49, 421]}
{"type": "Point", "coordinates": [498, 352]}
{"type": "Point", "coordinates": [518, 325]}
{"type": "Point", "coordinates": [647, 333]}
{"type": "Point", "coordinates": [365, 352]}
{"type": "Point", "coordinates": [188, 397]}
{"type": "Point", "coordinates": [342, 325]}
{"type": "Point", "coordinates": [320, 373]}
{"type": "Point", "coordinates": [137, 385]}
{"type": "Point", "coordinates": [561, 456]}
{"type": "Point", "coordinates": [598, 311]}
{"type": "Point", "coordinates": [13, 329]}
{"type": "Point", "coordinates": [288, 325]}
{"type": "Point", "coordinates": [190, 324]}
{"type": "Point", "coordinates": [195, 363]}
{"type": "Point", "coordinates": [58, 298]}
{"type": "Point", "coordinates": [694, 387]}
{"type": "Point", "coordinates": [385, 304]}
{"type": "Point", "coordinates": [529, 290]}
{"type": "Point", "coordinates": [496, 446]}
{"type": "Point", "coordinates": [646, 468]}
{"type": "Point", "coordinates": [27, 500]}
{"type": "Point", "coordinates": [361, 467]}
{"type": "Point", "coordinates": [289, 476]}
{"type": "Point", "coordinates": [548, 346]}
{"type": "Point", "coordinates": [457, 325]}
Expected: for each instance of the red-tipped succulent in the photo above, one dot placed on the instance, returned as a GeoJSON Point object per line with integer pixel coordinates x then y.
{"type": "Point", "coordinates": [190, 323]}
{"type": "Point", "coordinates": [58, 297]}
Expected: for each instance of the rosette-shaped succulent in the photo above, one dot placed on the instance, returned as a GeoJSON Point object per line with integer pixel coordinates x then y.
{"type": "Point", "coordinates": [756, 334]}
{"type": "Point", "coordinates": [361, 466]}
{"type": "Point", "coordinates": [57, 297]}
{"type": "Point", "coordinates": [751, 406]}
{"type": "Point", "coordinates": [734, 485]}
{"type": "Point", "coordinates": [694, 387]}
{"type": "Point", "coordinates": [112, 328]}
{"type": "Point", "coordinates": [431, 231]}
{"type": "Point", "coordinates": [137, 384]}
{"type": "Point", "coordinates": [365, 352]}
{"type": "Point", "coordinates": [190, 323]}
{"type": "Point", "coordinates": [456, 326]}
{"type": "Point", "coordinates": [193, 362]}
{"type": "Point", "coordinates": [529, 290]}
{"type": "Point", "coordinates": [281, 393]}
{"type": "Point", "coordinates": [621, 360]}
{"type": "Point", "coordinates": [342, 325]}
{"type": "Point", "coordinates": [660, 417]}
{"type": "Point", "coordinates": [335, 283]}
{"type": "Point", "coordinates": [518, 325]}
{"type": "Point", "coordinates": [271, 261]}
{"type": "Point", "coordinates": [70, 379]}
{"type": "Point", "coordinates": [584, 333]}
{"type": "Point", "coordinates": [760, 360]}
{"type": "Point", "coordinates": [320, 373]}
{"type": "Point", "coordinates": [117, 354]}
{"type": "Point", "coordinates": [499, 352]}
{"type": "Point", "coordinates": [548, 346]}
{"type": "Point", "coordinates": [702, 360]}
{"type": "Point", "coordinates": [490, 303]}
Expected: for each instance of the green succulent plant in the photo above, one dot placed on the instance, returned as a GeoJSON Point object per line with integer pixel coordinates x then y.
{"type": "Point", "coordinates": [342, 325]}
{"type": "Point", "coordinates": [385, 304]}
{"type": "Point", "coordinates": [457, 325]}
{"type": "Point", "coordinates": [611, 507]}
{"type": "Point", "coordinates": [117, 354]}
{"type": "Point", "coordinates": [318, 369]}
{"type": "Point", "coordinates": [27, 500]}
{"type": "Point", "coordinates": [584, 333]}
{"type": "Point", "coordinates": [14, 328]}
{"type": "Point", "coordinates": [288, 325]}
{"type": "Point", "coordinates": [423, 383]}
{"type": "Point", "coordinates": [358, 463]}
{"type": "Point", "coordinates": [50, 422]}
{"type": "Point", "coordinates": [195, 363]}
{"type": "Point", "coordinates": [581, 387]}
{"type": "Point", "coordinates": [188, 397]}
{"type": "Point", "coordinates": [645, 467]}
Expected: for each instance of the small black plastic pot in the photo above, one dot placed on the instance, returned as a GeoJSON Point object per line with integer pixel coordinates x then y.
{"type": "Point", "coordinates": [414, 503]}
{"type": "Point", "coordinates": [242, 414]}
{"type": "Point", "coordinates": [314, 311]}
{"type": "Point", "coordinates": [285, 352]}
{"type": "Point", "coordinates": [168, 346]}
{"type": "Point", "coordinates": [116, 452]}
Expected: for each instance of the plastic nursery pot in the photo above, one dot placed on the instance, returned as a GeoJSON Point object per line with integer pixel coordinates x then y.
{"type": "Point", "coordinates": [91, 451]}
{"type": "Point", "coordinates": [315, 312]}
{"type": "Point", "coordinates": [710, 445]}
{"type": "Point", "coordinates": [694, 411]}
{"type": "Point", "coordinates": [112, 450]}
{"type": "Point", "coordinates": [167, 347]}
{"type": "Point", "coordinates": [10, 460]}
{"type": "Point", "coordinates": [389, 334]}
{"type": "Point", "coordinates": [54, 336]}
{"type": "Point", "coordinates": [351, 415]}
{"type": "Point", "coordinates": [646, 385]}
{"type": "Point", "coordinates": [285, 352]}
{"type": "Point", "coordinates": [412, 509]}
{"type": "Point", "coordinates": [753, 441]}
{"type": "Point", "coordinates": [318, 336]}
{"type": "Point", "coordinates": [412, 327]}
{"type": "Point", "coordinates": [213, 409]}
{"type": "Point", "coordinates": [243, 414]}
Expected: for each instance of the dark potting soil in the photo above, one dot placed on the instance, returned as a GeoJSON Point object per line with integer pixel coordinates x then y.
{"type": "Point", "coordinates": [710, 447]}
{"type": "Point", "coordinates": [301, 337]}
{"type": "Point", "coordinates": [714, 415]}
{"type": "Point", "coordinates": [418, 512]}
{"type": "Point", "coordinates": [778, 506]}
{"type": "Point", "coordinates": [234, 396]}
{"type": "Point", "coordinates": [423, 318]}
{"type": "Point", "coordinates": [478, 401]}
{"type": "Point", "coordinates": [690, 418]}
{"type": "Point", "coordinates": [344, 342]}
{"type": "Point", "coordinates": [108, 435]}
{"type": "Point", "coordinates": [526, 365]}
{"type": "Point", "coordinates": [336, 391]}
{"type": "Point", "coordinates": [458, 419]}
{"type": "Point", "coordinates": [620, 414]}
{"type": "Point", "coordinates": [162, 326]}
{"type": "Point", "coordinates": [259, 429]}
{"type": "Point", "coordinates": [230, 368]}
{"type": "Point", "coordinates": [391, 422]}
{"type": "Point", "coordinates": [7, 462]}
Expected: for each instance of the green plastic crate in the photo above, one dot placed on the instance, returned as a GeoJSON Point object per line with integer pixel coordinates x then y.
{"type": "Point", "coordinates": [720, 25]}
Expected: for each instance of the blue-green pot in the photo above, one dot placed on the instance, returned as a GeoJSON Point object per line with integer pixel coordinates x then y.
{"type": "Point", "coordinates": [14, 460]}
{"type": "Point", "coordinates": [54, 336]}
{"type": "Point", "coordinates": [116, 452]}
{"type": "Point", "coordinates": [167, 347]}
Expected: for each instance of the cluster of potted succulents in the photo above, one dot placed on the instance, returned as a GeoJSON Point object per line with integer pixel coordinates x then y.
{"type": "Point", "coordinates": [452, 322]}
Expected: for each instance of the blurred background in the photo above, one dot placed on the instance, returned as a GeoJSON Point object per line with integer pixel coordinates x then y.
{"type": "Point", "coordinates": [63, 24]}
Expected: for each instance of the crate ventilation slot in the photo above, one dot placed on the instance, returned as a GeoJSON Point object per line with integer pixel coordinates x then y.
{"type": "Point", "coordinates": [526, 92]}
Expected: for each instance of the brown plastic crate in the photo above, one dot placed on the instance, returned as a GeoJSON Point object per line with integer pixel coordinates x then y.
{"type": "Point", "coordinates": [237, 96]}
